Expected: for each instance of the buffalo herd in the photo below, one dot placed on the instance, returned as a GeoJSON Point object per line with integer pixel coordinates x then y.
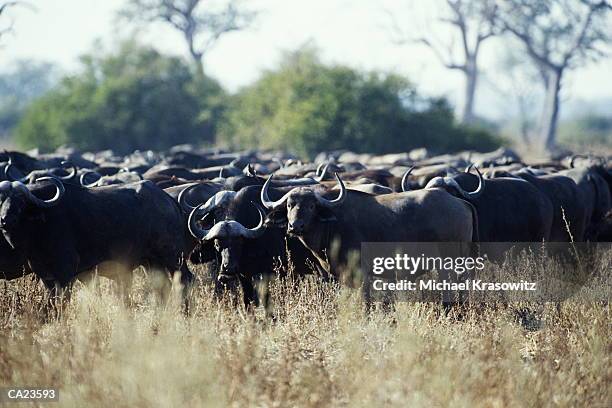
{"type": "Point", "coordinates": [255, 214]}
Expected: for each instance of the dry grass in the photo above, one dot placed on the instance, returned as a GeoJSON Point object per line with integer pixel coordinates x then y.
{"type": "Point", "coordinates": [321, 350]}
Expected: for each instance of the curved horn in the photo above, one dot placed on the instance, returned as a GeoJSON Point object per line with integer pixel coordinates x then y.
{"type": "Point", "coordinates": [292, 162]}
{"type": "Point", "coordinates": [73, 170]}
{"type": "Point", "coordinates": [249, 170]}
{"type": "Point", "coordinates": [181, 198]}
{"type": "Point", "coordinates": [85, 174]}
{"type": "Point", "coordinates": [196, 231]}
{"type": "Point", "coordinates": [405, 186]}
{"type": "Point", "coordinates": [577, 156]}
{"type": "Point", "coordinates": [201, 212]}
{"type": "Point", "coordinates": [321, 177]}
{"type": "Point", "coordinates": [265, 200]}
{"type": "Point", "coordinates": [43, 203]}
{"type": "Point", "coordinates": [221, 172]}
{"type": "Point", "coordinates": [336, 201]}
{"type": "Point", "coordinates": [257, 231]}
{"type": "Point", "coordinates": [7, 172]}
{"type": "Point", "coordinates": [476, 193]}
{"type": "Point", "coordinates": [469, 168]}
{"type": "Point", "coordinates": [230, 228]}
{"type": "Point", "coordinates": [221, 198]}
{"type": "Point", "coordinates": [319, 167]}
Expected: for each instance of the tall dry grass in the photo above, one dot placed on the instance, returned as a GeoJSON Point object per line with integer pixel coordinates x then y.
{"type": "Point", "coordinates": [320, 350]}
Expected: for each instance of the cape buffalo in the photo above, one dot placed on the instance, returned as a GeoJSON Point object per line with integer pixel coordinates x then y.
{"type": "Point", "coordinates": [569, 213]}
{"type": "Point", "coordinates": [246, 250]}
{"type": "Point", "coordinates": [594, 194]}
{"type": "Point", "coordinates": [353, 217]}
{"type": "Point", "coordinates": [509, 209]}
{"type": "Point", "coordinates": [12, 265]}
{"type": "Point", "coordinates": [64, 230]}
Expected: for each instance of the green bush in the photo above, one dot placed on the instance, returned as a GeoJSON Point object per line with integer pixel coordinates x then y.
{"type": "Point", "coordinates": [306, 106]}
{"type": "Point", "coordinates": [133, 99]}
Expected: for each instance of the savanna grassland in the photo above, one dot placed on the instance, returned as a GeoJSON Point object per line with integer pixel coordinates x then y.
{"type": "Point", "coordinates": [321, 349]}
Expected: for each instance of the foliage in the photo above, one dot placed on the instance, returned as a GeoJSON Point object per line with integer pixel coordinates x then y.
{"type": "Point", "coordinates": [133, 99]}
{"type": "Point", "coordinates": [306, 106]}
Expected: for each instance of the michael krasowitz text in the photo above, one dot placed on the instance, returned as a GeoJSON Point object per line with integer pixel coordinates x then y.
{"type": "Point", "coordinates": [487, 271]}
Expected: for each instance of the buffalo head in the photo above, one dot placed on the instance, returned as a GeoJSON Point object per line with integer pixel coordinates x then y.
{"type": "Point", "coordinates": [451, 185]}
{"type": "Point", "coordinates": [304, 206]}
{"type": "Point", "coordinates": [18, 201]}
{"type": "Point", "coordinates": [227, 235]}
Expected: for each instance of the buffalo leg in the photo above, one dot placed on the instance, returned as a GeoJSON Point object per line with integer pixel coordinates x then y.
{"type": "Point", "coordinates": [160, 283]}
{"type": "Point", "coordinates": [56, 276]}
{"type": "Point", "coordinates": [187, 279]}
{"type": "Point", "coordinates": [248, 292]}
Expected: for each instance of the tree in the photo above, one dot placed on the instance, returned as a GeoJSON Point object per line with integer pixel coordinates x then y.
{"type": "Point", "coordinates": [516, 80]}
{"type": "Point", "coordinates": [306, 106]}
{"type": "Point", "coordinates": [473, 21]}
{"type": "Point", "coordinates": [4, 7]}
{"type": "Point", "coordinates": [557, 35]}
{"type": "Point", "coordinates": [200, 25]}
{"type": "Point", "coordinates": [134, 98]}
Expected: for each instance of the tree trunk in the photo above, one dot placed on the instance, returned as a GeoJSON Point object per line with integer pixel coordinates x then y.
{"type": "Point", "coordinates": [199, 66]}
{"type": "Point", "coordinates": [471, 77]}
{"type": "Point", "coordinates": [197, 60]}
{"type": "Point", "coordinates": [550, 112]}
{"type": "Point", "coordinates": [524, 124]}
{"type": "Point", "coordinates": [196, 56]}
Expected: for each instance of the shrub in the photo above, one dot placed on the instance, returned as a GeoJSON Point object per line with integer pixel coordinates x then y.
{"type": "Point", "coordinates": [133, 99]}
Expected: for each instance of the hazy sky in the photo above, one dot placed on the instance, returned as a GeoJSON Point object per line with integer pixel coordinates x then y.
{"type": "Point", "coordinates": [347, 31]}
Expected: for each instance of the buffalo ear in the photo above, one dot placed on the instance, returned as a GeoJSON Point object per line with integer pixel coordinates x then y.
{"type": "Point", "coordinates": [276, 219]}
{"type": "Point", "coordinates": [326, 215]}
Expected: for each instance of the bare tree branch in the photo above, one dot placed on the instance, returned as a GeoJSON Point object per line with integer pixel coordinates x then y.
{"type": "Point", "coordinates": [447, 63]}
{"type": "Point", "coordinates": [459, 22]}
{"type": "Point", "coordinates": [201, 27]}
{"type": "Point", "coordinates": [4, 7]}
{"type": "Point", "coordinates": [582, 33]}
{"type": "Point", "coordinates": [473, 23]}
{"type": "Point", "coordinates": [399, 37]}
{"type": "Point", "coordinates": [529, 45]}
{"type": "Point", "coordinates": [556, 34]}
